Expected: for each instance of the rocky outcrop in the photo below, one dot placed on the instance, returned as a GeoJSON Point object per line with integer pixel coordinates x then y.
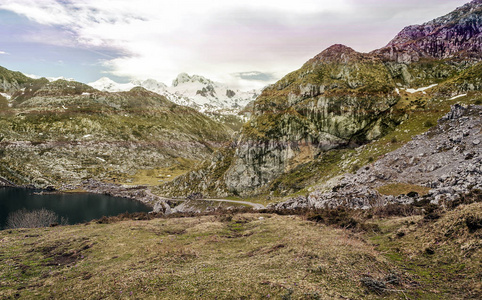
{"type": "Point", "coordinates": [447, 159]}
{"type": "Point", "coordinates": [467, 81]}
{"type": "Point", "coordinates": [455, 35]}
{"type": "Point", "coordinates": [342, 98]}
{"type": "Point", "coordinates": [6, 183]}
{"type": "Point", "coordinates": [208, 178]}
{"type": "Point", "coordinates": [339, 98]}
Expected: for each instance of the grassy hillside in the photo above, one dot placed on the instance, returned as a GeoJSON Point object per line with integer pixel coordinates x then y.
{"type": "Point", "coordinates": [61, 133]}
{"type": "Point", "coordinates": [320, 255]}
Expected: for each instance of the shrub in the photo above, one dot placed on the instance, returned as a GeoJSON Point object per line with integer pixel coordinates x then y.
{"type": "Point", "coordinates": [395, 209]}
{"type": "Point", "coordinates": [473, 223]}
{"type": "Point", "coordinates": [374, 285]}
{"type": "Point", "coordinates": [428, 124]}
{"type": "Point", "coordinates": [340, 217]}
{"type": "Point", "coordinates": [468, 198]}
{"type": "Point", "coordinates": [32, 219]}
{"type": "Point", "coordinates": [394, 140]}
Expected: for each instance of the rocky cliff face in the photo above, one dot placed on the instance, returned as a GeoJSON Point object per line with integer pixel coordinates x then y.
{"type": "Point", "coordinates": [447, 161]}
{"type": "Point", "coordinates": [339, 98]}
{"type": "Point", "coordinates": [455, 35]}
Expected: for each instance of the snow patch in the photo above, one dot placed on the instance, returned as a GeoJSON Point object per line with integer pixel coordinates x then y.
{"type": "Point", "coordinates": [108, 85]}
{"type": "Point", "coordinates": [6, 96]}
{"type": "Point", "coordinates": [411, 91]}
{"type": "Point", "coordinates": [458, 96]}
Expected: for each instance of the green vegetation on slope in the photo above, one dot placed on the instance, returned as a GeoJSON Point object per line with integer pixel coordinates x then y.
{"type": "Point", "coordinates": [65, 132]}
{"type": "Point", "coordinates": [339, 92]}
{"type": "Point", "coordinates": [424, 113]}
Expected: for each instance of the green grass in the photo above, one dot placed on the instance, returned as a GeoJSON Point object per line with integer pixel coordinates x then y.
{"type": "Point", "coordinates": [443, 256]}
{"type": "Point", "coordinates": [396, 189]}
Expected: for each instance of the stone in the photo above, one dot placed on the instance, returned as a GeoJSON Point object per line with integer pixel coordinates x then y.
{"type": "Point", "coordinates": [448, 174]}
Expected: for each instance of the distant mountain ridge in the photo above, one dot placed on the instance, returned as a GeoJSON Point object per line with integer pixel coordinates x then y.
{"type": "Point", "coordinates": [455, 35]}
{"type": "Point", "coordinates": [194, 91]}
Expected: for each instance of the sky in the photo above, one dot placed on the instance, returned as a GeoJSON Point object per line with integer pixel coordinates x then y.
{"type": "Point", "coordinates": [246, 44]}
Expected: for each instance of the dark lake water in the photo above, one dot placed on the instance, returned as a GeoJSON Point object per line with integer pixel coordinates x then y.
{"type": "Point", "coordinates": [76, 207]}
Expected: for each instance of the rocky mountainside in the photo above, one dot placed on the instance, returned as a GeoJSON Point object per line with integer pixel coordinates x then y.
{"type": "Point", "coordinates": [194, 91]}
{"type": "Point", "coordinates": [60, 134]}
{"type": "Point", "coordinates": [455, 35]}
{"type": "Point", "coordinates": [342, 99]}
{"type": "Point", "coordinates": [339, 98]}
{"type": "Point", "coordinates": [441, 164]}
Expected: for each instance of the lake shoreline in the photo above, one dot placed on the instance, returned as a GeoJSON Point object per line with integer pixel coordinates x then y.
{"type": "Point", "coordinates": [76, 207]}
{"type": "Point", "coordinates": [137, 193]}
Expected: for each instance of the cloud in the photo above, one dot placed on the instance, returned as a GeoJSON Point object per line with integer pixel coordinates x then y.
{"type": "Point", "coordinates": [3, 52]}
{"type": "Point", "coordinates": [255, 75]}
{"type": "Point", "coordinates": [218, 38]}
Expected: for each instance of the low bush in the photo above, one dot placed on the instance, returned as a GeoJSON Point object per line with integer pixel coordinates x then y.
{"type": "Point", "coordinates": [33, 219]}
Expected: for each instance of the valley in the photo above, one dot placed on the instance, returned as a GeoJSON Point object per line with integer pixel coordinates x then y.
{"type": "Point", "coordinates": [355, 176]}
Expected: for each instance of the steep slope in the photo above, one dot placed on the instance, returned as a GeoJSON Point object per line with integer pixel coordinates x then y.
{"type": "Point", "coordinates": [62, 133]}
{"type": "Point", "coordinates": [455, 35]}
{"type": "Point", "coordinates": [342, 98]}
{"type": "Point", "coordinates": [440, 165]}
{"type": "Point", "coordinates": [13, 81]}
{"type": "Point", "coordinates": [339, 98]}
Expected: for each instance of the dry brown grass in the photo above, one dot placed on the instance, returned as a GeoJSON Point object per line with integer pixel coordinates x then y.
{"type": "Point", "coordinates": [247, 256]}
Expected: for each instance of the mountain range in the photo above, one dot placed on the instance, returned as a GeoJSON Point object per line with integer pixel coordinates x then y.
{"type": "Point", "coordinates": [194, 91]}
{"type": "Point", "coordinates": [310, 121]}
{"type": "Point", "coordinates": [310, 127]}
{"type": "Point", "coordinates": [365, 171]}
{"type": "Point", "coordinates": [62, 133]}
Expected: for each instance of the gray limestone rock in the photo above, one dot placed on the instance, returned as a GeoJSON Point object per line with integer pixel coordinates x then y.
{"type": "Point", "coordinates": [419, 162]}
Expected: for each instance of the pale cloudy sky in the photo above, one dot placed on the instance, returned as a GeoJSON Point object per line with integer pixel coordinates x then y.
{"type": "Point", "coordinates": [228, 41]}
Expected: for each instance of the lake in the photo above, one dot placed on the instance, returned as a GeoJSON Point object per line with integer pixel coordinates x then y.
{"type": "Point", "coordinates": [76, 207]}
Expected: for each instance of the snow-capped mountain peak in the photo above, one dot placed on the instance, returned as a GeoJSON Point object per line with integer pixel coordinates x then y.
{"type": "Point", "coordinates": [184, 78]}
{"type": "Point", "coordinates": [108, 85]}
{"type": "Point", "coordinates": [194, 91]}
